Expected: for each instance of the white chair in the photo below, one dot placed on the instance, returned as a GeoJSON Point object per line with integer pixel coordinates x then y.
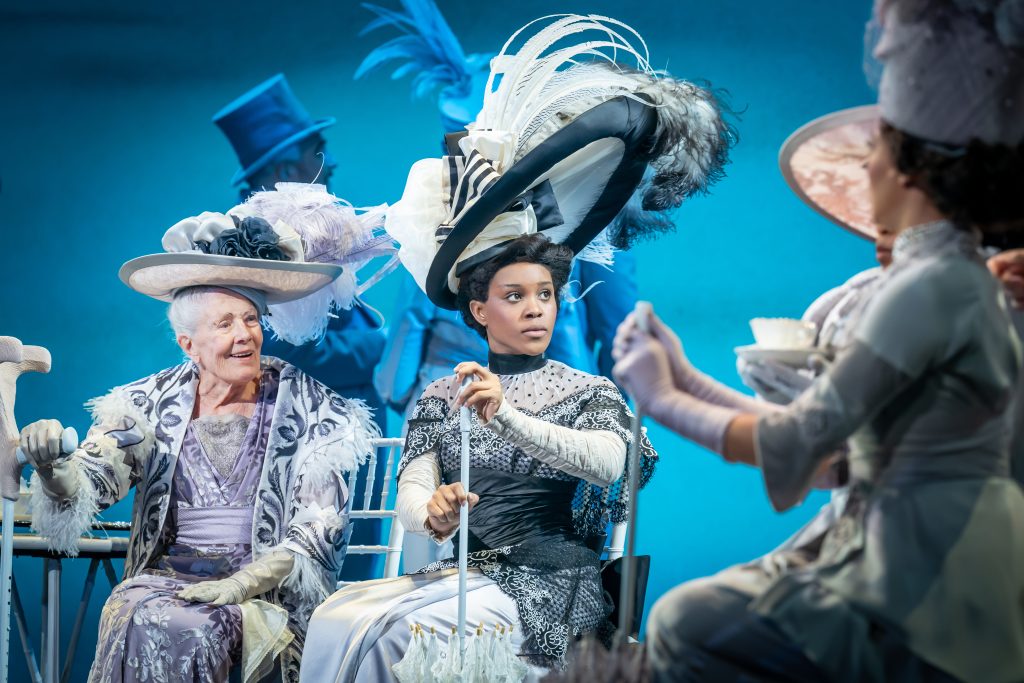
{"type": "Point", "coordinates": [391, 449]}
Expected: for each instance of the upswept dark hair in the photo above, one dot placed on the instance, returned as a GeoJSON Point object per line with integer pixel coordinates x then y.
{"type": "Point", "coordinates": [977, 185]}
{"type": "Point", "coordinates": [536, 248]}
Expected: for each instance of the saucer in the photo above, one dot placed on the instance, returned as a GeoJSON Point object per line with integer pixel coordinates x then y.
{"type": "Point", "coordinates": [797, 358]}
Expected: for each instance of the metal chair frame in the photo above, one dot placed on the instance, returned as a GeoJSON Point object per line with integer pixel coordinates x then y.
{"type": "Point", "coordinates": [391, 449]}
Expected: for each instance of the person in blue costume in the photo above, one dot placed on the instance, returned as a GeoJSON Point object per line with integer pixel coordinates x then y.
{"type": "Point", "coordinates": [276, 140]}
{"type": "Point", "coordinates": [425, 341]}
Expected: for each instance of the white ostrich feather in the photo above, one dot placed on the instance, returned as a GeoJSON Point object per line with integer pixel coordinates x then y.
{"type": "Point", "coordinates": [332, 231]}
{"type": "Point", "coordinates": [535, 90]}
{"type": "Point", "coordinates": [531, 79]}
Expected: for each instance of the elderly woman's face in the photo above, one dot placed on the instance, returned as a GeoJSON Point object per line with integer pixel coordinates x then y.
{"type": "Point", "coordinates": [227, 338]}
{"type": "Point", "coordinates": [520, 310]}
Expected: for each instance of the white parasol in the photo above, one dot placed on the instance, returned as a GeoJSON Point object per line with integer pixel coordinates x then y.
{"type": "Point", "coordinates": [477, 658]}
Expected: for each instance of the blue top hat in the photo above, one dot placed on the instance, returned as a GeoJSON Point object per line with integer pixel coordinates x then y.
{"type": "Point", "coordinates": [262, 122]}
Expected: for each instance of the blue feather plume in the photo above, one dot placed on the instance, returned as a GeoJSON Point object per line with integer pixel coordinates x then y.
{"type": "Point", "coordinates": [427, 47]}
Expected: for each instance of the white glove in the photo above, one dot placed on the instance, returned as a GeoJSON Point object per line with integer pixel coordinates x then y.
{"type": "Point", "coordinates": [685, 377]}
{"type": "Point", "coordinates": [259, 577]}
{"type": "Point", "coordinates": [40, 442]}
{"type": "Point", "coordinates": [773, 381]}
{"type": "Point", "coordinates": [644, 372]}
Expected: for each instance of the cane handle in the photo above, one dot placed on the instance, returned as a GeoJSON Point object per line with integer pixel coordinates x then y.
{"type": "Point", "coordinates": [68, 444]}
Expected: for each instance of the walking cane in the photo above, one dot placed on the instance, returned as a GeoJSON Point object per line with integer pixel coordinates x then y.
{"type": "Point", "coordinates": [15, 360]}
{"type": "Point", "coordinates": [627, 590]}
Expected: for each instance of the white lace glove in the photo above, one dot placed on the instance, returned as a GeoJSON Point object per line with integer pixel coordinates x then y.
{"type": "Point", "coordinates": [774, 381]}
{"type": "Point", "coordinates": [684, 375]}
{"type": "Point", "coordinates": [259, 577]}
{"type": "Point", "coordinates": [40, 442]}
{"type": "Point", "coordinates": [644, 371]}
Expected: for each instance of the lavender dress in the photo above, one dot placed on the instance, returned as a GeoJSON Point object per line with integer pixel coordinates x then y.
{"type": "Point", "coordinates": [146, 632]}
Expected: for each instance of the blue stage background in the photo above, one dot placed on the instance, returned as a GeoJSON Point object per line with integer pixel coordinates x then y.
{"type": "Point", "coordinates": [106, 140]}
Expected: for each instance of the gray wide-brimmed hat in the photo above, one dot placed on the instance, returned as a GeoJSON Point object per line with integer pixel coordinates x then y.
{"type": "Point", "coordinates": [161, 275]}
{"type": "Point", "coordinates": [295, 248]}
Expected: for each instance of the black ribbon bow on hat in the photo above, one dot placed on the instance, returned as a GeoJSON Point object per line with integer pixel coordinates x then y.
{"type": "Point", "coordinates": [545, 208]}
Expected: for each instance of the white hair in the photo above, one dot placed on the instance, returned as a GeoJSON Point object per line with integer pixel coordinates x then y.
{"type": "Point", "coordinates": [184, 311]}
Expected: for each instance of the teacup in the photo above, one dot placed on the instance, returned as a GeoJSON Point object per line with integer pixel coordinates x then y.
{"type": "Point", "coordinates": [783, 333]}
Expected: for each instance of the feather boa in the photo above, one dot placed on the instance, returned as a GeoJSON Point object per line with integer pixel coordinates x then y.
{"type": "Point", "coordinates": [307, 578]}
{"type": "Point", "coordinates": [344, 451]}
{"type": "Point", "coordinates": [63, 523]}
{"type": "Point", "coordinates": [113, 407]}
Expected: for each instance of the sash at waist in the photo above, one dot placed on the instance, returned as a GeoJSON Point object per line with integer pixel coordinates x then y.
{"type": "Point", "coordinates": [516, 508]}
{"type": "Point", "coordinates": [214, 525]}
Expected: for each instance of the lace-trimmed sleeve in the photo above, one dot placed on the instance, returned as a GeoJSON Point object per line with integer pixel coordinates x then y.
{"type": "Point", "coordinates": [605, 410]}
{"type": "Point", "coordinates": [427, 423]}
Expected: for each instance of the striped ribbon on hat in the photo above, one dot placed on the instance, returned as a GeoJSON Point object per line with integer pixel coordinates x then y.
{"type": "Point", "coordinates": [469, 177]}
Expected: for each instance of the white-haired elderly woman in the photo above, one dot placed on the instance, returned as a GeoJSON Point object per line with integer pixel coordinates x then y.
{"type": "Point", "coordinates": [239, 524]}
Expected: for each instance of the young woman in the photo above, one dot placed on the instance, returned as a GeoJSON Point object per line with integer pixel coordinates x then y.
{"type": "Point", "coordinates": [921, 577]}
{"type": "Point", "coordinates": [547, 444]}
{"type": "Point", "coordinates": [563, 140]}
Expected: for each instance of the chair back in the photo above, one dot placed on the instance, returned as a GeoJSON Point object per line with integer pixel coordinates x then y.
{"type": "Point", "coordinates": [391, 450]}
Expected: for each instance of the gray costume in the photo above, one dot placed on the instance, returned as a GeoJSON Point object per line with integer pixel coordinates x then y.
{"type": "Point", "coordinates": [922, 577]}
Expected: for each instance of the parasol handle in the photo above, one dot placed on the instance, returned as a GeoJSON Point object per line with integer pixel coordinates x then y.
{"type": "Point", "coordinates": [627, 590]}
{"type": "Point", "coordinates": [642, 312]}
{"type": "Point", "coordinates": [465, 425]}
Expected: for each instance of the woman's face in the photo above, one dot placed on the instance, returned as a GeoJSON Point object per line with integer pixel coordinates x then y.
{"type": "Point", "coordinates": [227, 338]}
{"type": "Point", "coordinates": [520, 310]}
{"type": "Point", "coordinates": [888, 188]}
{"type": "Point", "coordinates": [883, 247]}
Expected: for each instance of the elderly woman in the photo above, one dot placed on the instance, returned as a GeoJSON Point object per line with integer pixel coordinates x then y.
{"type": "Point", "coordinates": [921, 577]}
{"type": "Point", "coordinates": [239, 522]}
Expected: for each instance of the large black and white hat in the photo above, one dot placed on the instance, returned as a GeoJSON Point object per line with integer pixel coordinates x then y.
{"type": "Point", "coordinates": [566, 135]}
